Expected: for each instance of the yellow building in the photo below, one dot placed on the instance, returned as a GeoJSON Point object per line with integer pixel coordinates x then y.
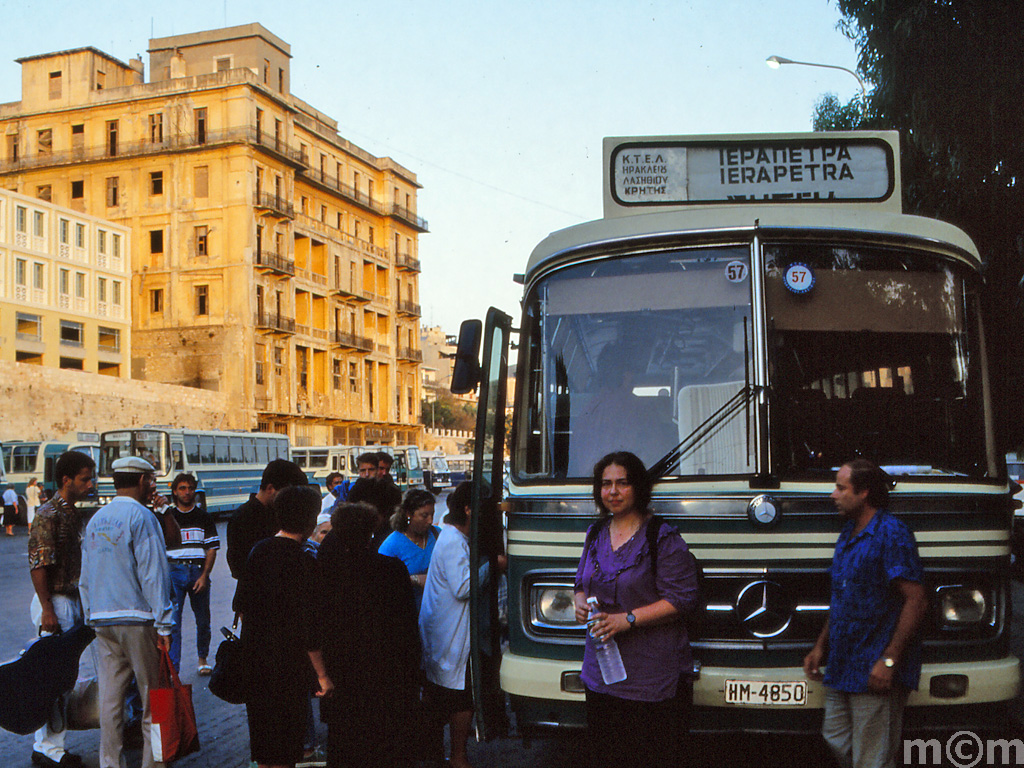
{"type": "Point", "coordinates": [272, 260]}
{"type": "Point", "coordinates": [64, 287]}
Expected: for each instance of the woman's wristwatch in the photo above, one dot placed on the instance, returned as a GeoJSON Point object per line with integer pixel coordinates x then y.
{"type": "Point", "coordinates": [631, 619]}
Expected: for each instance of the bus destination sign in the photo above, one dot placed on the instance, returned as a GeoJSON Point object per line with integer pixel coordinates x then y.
{"type": "Point", "coordinates": [826, 167]}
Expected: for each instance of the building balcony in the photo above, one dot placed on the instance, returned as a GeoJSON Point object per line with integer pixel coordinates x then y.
{"type": "Point", "coordinates": [408, 308]}
{"type": "Point", "coordinates": [351, 341]}
{"type": "Point", "coordinates": [274, 204]}
{"type": "Point", "coordinates": [403, 214]}
{"type": "Point", "coordinates": [350, 295]}
{"type": "Point", "coordinates": [412, 355]}
{"type": "Point", "coordinates": [407, 263]}
{"type": "Point", "coordinates": [384, 349]}
{"type": "Point", "coordinates": [274, 323]}
{"type": "Point", "coordinates": [269, 261]}
{"type": "Point", "coordinates": [334, 185]}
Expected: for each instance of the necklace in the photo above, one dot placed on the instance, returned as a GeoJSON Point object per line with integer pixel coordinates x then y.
{"type": "Point", "coordinates": [419, 541]}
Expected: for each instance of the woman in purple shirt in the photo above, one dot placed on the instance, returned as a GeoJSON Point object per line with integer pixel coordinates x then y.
{"type": "Point", "coordinates": [642, 598]}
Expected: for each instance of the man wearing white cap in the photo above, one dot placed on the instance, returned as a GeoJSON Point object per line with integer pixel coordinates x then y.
{"type": "Point", "coordinates": [126, 593]}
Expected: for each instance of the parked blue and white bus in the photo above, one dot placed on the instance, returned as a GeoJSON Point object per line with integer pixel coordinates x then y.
{"type": "Point", "coordinates": [25, 459]}
{"type": "Point", "coordinates": [436, 474]}
{"type": "Point", "coordinates": [227, 465]}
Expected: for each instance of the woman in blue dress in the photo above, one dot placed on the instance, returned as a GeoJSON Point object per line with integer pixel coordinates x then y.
{"type": "Point", "coordinates": [414, 536]}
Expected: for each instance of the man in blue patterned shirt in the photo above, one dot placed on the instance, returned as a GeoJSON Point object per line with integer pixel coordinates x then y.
{"type": "Point", "coordinates": [869, 643]}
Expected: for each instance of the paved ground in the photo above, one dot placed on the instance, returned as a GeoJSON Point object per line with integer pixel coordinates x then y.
{"type": "Point", "coordinates": [222, 727]}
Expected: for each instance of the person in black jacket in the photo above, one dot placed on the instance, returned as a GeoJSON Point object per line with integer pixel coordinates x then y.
{"type": "Point", "coordinates": [371, 646]}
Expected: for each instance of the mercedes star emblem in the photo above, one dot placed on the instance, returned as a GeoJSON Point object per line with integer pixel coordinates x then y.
{"type": "Point", "coordinates": [763, 510]}
{"type": "Point", "coordinates": [764, 609]}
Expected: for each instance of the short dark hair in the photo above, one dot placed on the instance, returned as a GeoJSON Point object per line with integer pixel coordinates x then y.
{"type": "Point", "coordinates": [459, 499]}
{"type": "Point", "coordinates": [866, 475]}
{"type": "Point", "coordinates": [636, 475]}
{"type": "Point", "coordinates": [296, 507]}
{"type": "Point", "coordinates": [383, 457]}
{"type": "Point", "coordinates": [353, 524]}
{"type": "Point", "coordinates": [367, 458]}
{"type": "Point", "coordinates": [128, 479]}
{"type": "Point", "coordinates": [69, 464]}
{"type": "Point", "coordinates": [333, 476]}
{"type": "Point", "coordinates": [282, 473]}
{"type": "Point", "coordinates": [183, 477]}
{"type": "Point", "coordinates": [414, 499]}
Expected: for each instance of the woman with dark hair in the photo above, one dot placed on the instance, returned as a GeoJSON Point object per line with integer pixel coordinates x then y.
{"type": "Point", "coordinates": [371, 645]}
{"type": "Point", "coordinates": [280, 632]}
{"type": "Point", "coordinates": [414, 536]}
{"type": "Point", "coordinates": [645, 581]}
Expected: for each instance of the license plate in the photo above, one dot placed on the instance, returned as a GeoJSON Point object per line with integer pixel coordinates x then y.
{"type": "Point", "coordinates": [766, 694]}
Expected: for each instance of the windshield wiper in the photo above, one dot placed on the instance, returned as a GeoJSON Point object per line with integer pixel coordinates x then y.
{"type": "Point", "coordinates": [725, 413]}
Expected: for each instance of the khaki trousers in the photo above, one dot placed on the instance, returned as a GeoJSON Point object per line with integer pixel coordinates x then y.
{"type": "Point", "coordinates": [863, 730]}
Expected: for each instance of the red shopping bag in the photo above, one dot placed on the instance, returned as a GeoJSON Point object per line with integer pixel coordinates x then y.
{"type": "Point", "coordinates": [174, 731]}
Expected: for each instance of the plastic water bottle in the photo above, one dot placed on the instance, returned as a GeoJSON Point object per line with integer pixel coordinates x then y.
{"type": "Point", "coordinates": [608, 657]}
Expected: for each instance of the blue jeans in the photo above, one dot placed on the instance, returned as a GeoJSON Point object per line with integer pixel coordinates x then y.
{"type": "Point", "coordinates": [183, 578]}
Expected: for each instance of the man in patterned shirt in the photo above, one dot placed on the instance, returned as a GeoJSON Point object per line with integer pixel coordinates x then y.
{"type": "Point", "coordinates": [869, 642]}
{"type": "Point", "coordinates": [55, 563]}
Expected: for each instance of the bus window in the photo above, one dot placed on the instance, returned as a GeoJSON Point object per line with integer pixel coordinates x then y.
{"type": "Point", "coordinates": [177, 456]}
{"type": "Point", "coordinates": [235, 449]}
{"type": "Point", "coordinates": [318, 459]}
{"type": "Point", "coordinates": [192, 449]}
{"type": "Point", "coordinates": [300, 457]}
{"type": "Point", "coordinates": [206, 453]}
{"type": "Point", "coordinates": [250, 450]}
{"type": "Point", "coordinates": [23, 458]}
{"type": "Point", "coordinates": [262, 451]}
{"type": "Point", "coordinates": [413, 458]}
{"type": "Point", "coordinates": [221, 449]}
{"type": "Point", "coordinates": [282, 449]}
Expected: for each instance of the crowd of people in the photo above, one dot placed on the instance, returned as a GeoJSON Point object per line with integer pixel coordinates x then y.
{"type": "Point", "coordinates": [362, 603]}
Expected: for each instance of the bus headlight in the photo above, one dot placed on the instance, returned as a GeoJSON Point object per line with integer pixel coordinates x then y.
{"type": "Point", "coordinates": [552, 606]}
{"type": "Point", "coordinates": [962, 605]}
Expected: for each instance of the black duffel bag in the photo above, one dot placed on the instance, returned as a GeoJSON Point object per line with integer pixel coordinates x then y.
{"type": "Point", "coordinates": [230, 677]}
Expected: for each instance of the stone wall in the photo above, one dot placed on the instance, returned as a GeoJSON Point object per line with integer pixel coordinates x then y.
{"type": "Point", "coordinates": [38, 403]}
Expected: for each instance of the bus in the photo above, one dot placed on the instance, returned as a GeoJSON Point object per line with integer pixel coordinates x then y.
{"type": "Point", "coordinates": [436, 473]}
{"type": "Point", "coordinates": [25, 459]}
{"type": "Point", "coordinates": [750, 313]}
{"type": "Point", "coordinates": [320, 461]}
{"type": "Point", "coordinates": [460, 467]}
{"type": "Point", "coordinates": [227, 466]}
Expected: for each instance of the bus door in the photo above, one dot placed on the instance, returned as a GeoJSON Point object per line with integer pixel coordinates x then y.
{"type": "Point", "coordinates": [485, 538]}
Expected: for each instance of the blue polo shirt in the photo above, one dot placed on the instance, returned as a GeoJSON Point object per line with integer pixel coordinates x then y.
{"type": "Point", "coordinates": [866, 605]}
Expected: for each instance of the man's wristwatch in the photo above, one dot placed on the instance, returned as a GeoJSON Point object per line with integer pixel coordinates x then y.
{"type": "Point", "coordinates": [889, 662]}
{"type": "Point", "coordinates": [631, 619]}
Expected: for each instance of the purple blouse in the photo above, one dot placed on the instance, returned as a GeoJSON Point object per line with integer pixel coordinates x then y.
{"type": "Point", "coordinates": [654, 656]}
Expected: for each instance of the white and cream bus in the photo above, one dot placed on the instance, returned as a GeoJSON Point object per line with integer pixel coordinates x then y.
{"type": "Point", "coordinates": [751, 312]}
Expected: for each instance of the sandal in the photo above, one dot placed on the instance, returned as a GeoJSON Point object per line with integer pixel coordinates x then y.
{"type": "Point", "coordinates": [205, 670]}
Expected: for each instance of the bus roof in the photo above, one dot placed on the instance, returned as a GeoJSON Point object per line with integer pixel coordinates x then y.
{"type": "Point", "coordinates": [726, 223]}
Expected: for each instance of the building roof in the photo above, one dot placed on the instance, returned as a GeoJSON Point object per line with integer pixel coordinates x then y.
{"type": "Point", "coordinates": [69, 51]}
{"type": "Point", "coordinates": [219, 36]}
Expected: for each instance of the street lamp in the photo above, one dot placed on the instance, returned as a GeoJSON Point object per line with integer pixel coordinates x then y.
{"type": "Point", "coordinates": [777, 61]}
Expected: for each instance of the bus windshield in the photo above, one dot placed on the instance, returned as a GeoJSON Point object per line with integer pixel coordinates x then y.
{"type": "Point", "coordinates": [151, 445]}
{"type": "Point", "coordinates": [639, 353]}
{"type": "Point", "coordinates": [879, 358]}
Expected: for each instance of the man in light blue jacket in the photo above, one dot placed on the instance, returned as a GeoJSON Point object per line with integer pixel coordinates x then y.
{"type": "Point", "coordinates": [126, 594]}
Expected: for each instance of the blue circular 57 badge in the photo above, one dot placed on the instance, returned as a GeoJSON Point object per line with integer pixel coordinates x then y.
{"type": "Point", "coordinates": [799, 278]}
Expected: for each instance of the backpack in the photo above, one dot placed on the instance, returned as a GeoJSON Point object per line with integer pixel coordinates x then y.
{"type": "Point", "coordinates": [695, 620]}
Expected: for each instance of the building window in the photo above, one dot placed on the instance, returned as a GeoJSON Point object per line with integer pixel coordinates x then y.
{"type": "Point", "coordinates": [156, 301]}
{"type": "Point", "coordinates": [44, 141]}
{"type": "Point", "coordinates": [55, 85]}
{"type": "Point", "coordinates": [80, 235]}
{"type": "Point", "coordinates": [302, 366]}
{"type": "Point", "coordinates": [338, 375]}
{"type": "Point", "coordinates": [109, 339]}
{"type": "Point", "coordinates": [280, 80]}
{"type": "Point", "coordinates": [222, 64]}
{"type": "Point", "coordinates": [20, 267]}
{"type": "Point", "coordinates": [156, 183]}
{"type": "Point", "coordinates": [156, 128]}
{"type": "Point", "coordinates": [112, 138]}
{"type": "Point", "coordinates": [266, 72]}
{"type": "Point", "coordinates": [201, 241]}
{"type": "Point", "coordinates": [78, 137]}
{"type": "Point", "coordinates": [278, 361]}
{"type": "Point", "coordinates": [63, 283]}
{"type": "Point", "coordinates": [200, 115]}
{"type": "Point", "coordinates": [72, 334]}
{"type": "Point", "coordinates": [44, 192]}
{"type": "Point", "coordinates": [201, 181]}
{"type": "Point", "coordinates": [72, 363]}
{"type": "Point", "coordinates": [202, 300]}
{"type": "Point", "coordinates": [259, 373]}
{"type": "Point", "coordinates": [112, 192]}
{"type": "Point", "coordinates": [323, 213]}
{"type": "Point", "coordinates": [156, 241]}
{"type": "Point", "coordinates": [115, 242]}
{"type": "Point", "coordinates": [77, 190]}
{"type": "Point", "coordinates": [116, 293]}
{"type": "Point", "coordinates": [353, 377]}
{"type": "Point", "coordinates": [38, 223]}
{"type": "Point", "coordinates": [101, 79]}
{"type": "Point", "coordinates": [101, 289]}
{"type": "Point", "coordinates": [29, 327]}
{"type": "Point", "coordinates": [12, 147]}
{"type": "Point", "coordinates": [101, 241]}
{"type": "Point", "coordinates": [79, 285]}
{"type": "Point", "coordinates": [21, 219]}
{"type": "Point", "coordinates": [38, 273]}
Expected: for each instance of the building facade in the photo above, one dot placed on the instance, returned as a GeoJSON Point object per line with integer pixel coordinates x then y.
{"type": "Point", "coordinates": [272, 260]}
{"type": "Point", "coordinates": [65, 282]}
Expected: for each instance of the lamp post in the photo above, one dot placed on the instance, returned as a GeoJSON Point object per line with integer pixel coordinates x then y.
{"type": "Point", "coordinates": [777, 61]}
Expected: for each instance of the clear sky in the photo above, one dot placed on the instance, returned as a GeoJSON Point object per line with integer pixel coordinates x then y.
{"type": "Point", "coordinates": [499, 108]}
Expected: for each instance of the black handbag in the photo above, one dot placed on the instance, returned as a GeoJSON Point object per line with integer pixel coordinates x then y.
{"type": "Point", "coordinates": [229, 680]}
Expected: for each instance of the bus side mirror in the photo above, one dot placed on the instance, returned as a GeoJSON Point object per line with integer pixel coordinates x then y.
{"type": "Point", "coordinates": [466, 373]}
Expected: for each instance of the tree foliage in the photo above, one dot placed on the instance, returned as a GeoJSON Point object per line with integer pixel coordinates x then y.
{"type": "Point", "coordinates": [442, 410]}
{"type": "Point", "coordinates": [949, 75]}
